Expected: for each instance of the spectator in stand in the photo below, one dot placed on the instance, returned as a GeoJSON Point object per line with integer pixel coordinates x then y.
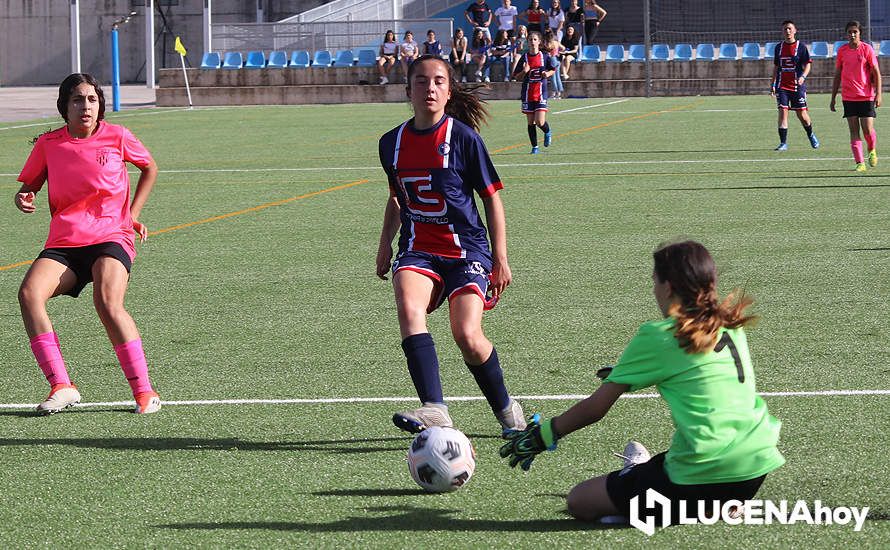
{"type": "Point", "coordinates": [458, 54]}
{"type": "Point", "coordinates": [556, 19]}
{"type": "Point", "coordinates": [432, 46]}
{"type": "Point", "coordinates": [575, 18]}
{"type": "Point", "coordinates": [520, 45]}
{"type": "Point", "coordinates": [479, 52]}
{"type": "Point", "coordinates": [593, 17]}
{"type": "Point", "coordinates": [389, 54]}
{"type": "Point", "coordinates": [534, 16]}
{"type": "Point", "coordinates": [554, 49]}
{"type": "Point", "coordinates": [479, 15]}
{"type": "Point", "coordinates": [506, 16]}
{"type": "Point", "coordinates": [499, 53]}
{"type": "Point", "coordinates": [408, 52]}
{"type": "Point", "coordinates": [571, 43]}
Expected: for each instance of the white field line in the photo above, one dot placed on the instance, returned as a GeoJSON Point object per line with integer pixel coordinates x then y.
{"type": "Point", "coordinates": [566, 397]}
{"type": "Point", "coordinates": [591, 106]}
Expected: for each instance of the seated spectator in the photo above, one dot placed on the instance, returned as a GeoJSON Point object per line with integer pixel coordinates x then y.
{"type": "Point", "coordinates": [432, 46]}
{"type": "Point", "coordinates": [520, 46]}
{"type": "Point", "coordinates": [499, 53]}
{"type": "Point", "coordinates": [389, 53]}
{"type": "Point", "coordinates": [572, 44]}
{"type": "Point", "coordinates": [408, 52]}
{"type": "Point", "coordinates": [479, 52]}
{"type": "Point", "coordinates": [458, 54]}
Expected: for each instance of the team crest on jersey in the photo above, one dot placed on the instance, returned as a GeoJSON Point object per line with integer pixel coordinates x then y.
{"type": "Point", "coordinates": [444, 149]}
{"type": "Point", "coordinates": [102, 156]}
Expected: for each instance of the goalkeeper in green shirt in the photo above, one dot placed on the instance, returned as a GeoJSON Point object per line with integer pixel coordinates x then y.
{"type": "Point", "coordinates": [697, 358]}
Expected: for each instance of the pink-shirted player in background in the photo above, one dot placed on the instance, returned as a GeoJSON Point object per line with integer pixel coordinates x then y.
{"type": "Point", "coordinates": [91, 235]}
{"type": "Point", "coordinates": [858, 77]}
{"type": "Point", "coordinates": [434, 163]}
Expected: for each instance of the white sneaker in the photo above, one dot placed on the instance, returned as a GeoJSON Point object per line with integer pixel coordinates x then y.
{"type": "Point", "coordinates": [512, 418]}
{"type": "Point", "coordinates": [60, 397]}
{"type": "Point", "coordinates": [430, 414]}
{"type": "Point", "coordinates": [478, 74]}
{"type": "Point", "coordinates": [634, 453]}
{"type": "Point", "coordinates": [384, 80]}
{"type": "Point", "coordinates": [487, 79]}
{"type": "Point", "coordinates": [464, 79]}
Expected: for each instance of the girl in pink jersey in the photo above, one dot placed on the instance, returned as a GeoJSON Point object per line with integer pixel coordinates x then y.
{"type": "Point", "coordinates": [858, 76]}
{"type": "Point", "coordinates": [90, 235]}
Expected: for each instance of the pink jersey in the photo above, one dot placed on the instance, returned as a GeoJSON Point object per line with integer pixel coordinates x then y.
{"type": "Point", "coordinates": [88, 187]}
{"type": "Point", "coordinates": [856, 66]}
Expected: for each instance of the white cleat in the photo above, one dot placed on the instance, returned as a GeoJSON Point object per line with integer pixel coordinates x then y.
{"type": "Point", "coordinates": [634, 453]}
{"type": "Point", "coordinates": [60, 397]}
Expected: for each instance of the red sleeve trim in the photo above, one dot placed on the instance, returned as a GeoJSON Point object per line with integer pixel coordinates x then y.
{"type": "Point", "coordinates": [491, 189]}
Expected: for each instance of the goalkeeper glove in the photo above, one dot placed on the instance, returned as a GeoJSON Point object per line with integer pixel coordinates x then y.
{"type": "Point", "coordinates": [523, 446]}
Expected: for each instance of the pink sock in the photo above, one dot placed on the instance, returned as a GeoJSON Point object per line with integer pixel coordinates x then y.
{"type": "Point", "coordinates": [133, 363]}
{"type": "Point", "coordinates": [49, 356]}
{"type": "Point", "coordinates": [856, 146]}
{"type": "Point", "coordinates": [871, 139]}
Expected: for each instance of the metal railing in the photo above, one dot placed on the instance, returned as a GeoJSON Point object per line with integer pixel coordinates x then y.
{"type": "Point", "coordinates": [354, 10]}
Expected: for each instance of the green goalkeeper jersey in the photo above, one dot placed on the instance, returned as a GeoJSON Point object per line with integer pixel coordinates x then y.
{"type": "Point", "coordinates": [723, 431]}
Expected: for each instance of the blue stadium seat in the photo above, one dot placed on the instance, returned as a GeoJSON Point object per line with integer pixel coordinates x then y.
{"type": "Point", "coordinates": [728, 52]}
{"type": "Point", "coordinates": [660, 52]}
{"type": "Point", "coordinates": [210, 61]}
{"type": "Point", "coordinates": [769, 50]}
{"type": "Point", "coordinates": [682, 52]}
{"type": "Point", "coordinates": [615, 53]}
{"type": "Point", "coordinates": [299, 59]}
{"type": "Point", "coordinates": [277, 60]}
{"type": "Point", "coordinates": [322, 58]}
{"type": "Point", "coordinates": [637, 52]}
{"type": "Point", "coordinates": [751, 50]}
{"type": "Point", "coordinates": [345, 58]}
{"type": "Point", "coordinates": [590, 54]}
{"type": "Point", "coordinates": [255, 60]}
{"type": "Point", "coordinates": [884, 48]}
{"type": "Point", "coordinates": [232, 60]}
{"type": "Point", "coordinates": [704, 52]}
{"type": "Point", "coordinates": [366, 58]}
{"type": "Point", "coordinates": [819, 50]}
{"type": "Point", "coordinates": [838, 44]}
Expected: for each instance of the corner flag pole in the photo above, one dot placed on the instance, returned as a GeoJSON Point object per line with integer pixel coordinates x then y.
{"type": "Point", "coordinates": [180, 49]}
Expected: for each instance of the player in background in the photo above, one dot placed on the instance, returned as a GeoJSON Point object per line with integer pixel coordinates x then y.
{"type": "Point", "coordinates": [90, 235]}
{"type": "Point", "coordinates": [858, 77]}
{"type": "Point", "coordinates": [434, 162]}
{"type": "Point", "coordinates": [535, 67]}
{"type": "Point", "coordinates": [697, 357]}
{"type": "Point", "coordinates": [792, 66]}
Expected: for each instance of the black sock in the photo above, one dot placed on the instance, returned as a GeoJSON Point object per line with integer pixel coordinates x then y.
{"type": "Point", "coordinates": [809, 130]}
{"type": "Point", "coordinates": [490, 379]}
{"type": "Point", "coordinates": [545, 127]}
{"type": "Point", "coordinates": [783, 135]}
{"type": "Point", "coordinates": [423, 364]}
{"type": "Point", "coordinates": [533, 135]}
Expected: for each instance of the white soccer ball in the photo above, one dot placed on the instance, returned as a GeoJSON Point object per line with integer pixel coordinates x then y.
{"type": "Point", "coordinates": [441, 459]}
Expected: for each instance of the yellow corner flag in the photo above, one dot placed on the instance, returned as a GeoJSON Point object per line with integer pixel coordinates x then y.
{"type": "Point", "coordinates": [180, 49]}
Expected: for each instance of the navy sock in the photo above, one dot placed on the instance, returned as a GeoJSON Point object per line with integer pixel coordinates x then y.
{"type": "Point", "coordinates": [533, 135]}
{"type": "Point", "coordinates": [783, 135]}
{"type": "Point", "coordinates": [423, 364]}
{"type": "Point", "coordinates": [546, 127]}
{"type": "Point", "coordinates": [808, 130]}
{"type": "Point", "coordinates": [490, 379]}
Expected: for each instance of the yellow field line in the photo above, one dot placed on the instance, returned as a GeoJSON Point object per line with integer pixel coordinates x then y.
{"type": "Point", "coordinates": [229, 215]}
{"type": "Point", "coordinates": [605, 124]}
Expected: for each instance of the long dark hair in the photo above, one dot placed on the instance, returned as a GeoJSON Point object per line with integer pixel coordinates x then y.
{"type": "Point", "coordinates": [692, 274]}
{"type": "Point", "coordinates": [66, 88]}
{"type": "Point", "coordinates": [464, 104]}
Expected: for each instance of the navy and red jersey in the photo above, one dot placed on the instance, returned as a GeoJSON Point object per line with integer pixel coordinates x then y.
{"type": "Point", "coordinates": [433, 174]}
{"type": "Point", "coordinates": [479, 13]}
{"type": "Point", "coordinates": [534, 85]}
{"type": "Point", "coordinates": [790, 60]}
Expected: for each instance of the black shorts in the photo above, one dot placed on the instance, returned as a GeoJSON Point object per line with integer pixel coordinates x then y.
{"type": "Point", "coordinates": [651, 475]}
{"type": "Point", "coordinates": [80, 260]}
{"type": "Point", "coordinates": [861, 109]}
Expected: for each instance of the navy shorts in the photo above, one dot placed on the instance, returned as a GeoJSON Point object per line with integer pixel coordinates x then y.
{"type": "Point", "coordinates": [861, 109]}
{"type": "Point", "coordinates": [651, 475]}
{"type": "Point", "coordinates": [795, 101]}
{"type": "Point", "coordinates": [80, 260]}
{"type": "Point", "coordinates": [529, 107]}
{"type": "Point", "coordinates": [451, 276]}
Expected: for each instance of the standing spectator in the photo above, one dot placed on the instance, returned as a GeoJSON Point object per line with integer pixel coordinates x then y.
{"type": "Point", "coordinates": [506, 16]}
{"type": "Point", "coordinates": [552, 46]}
{"type": "Point", "coordinates": [479, 52]}
{"type": "Point", "coordinates": [858, 77]}
{"type": "Point", "coordinates": [408, 51]}
{"type": "Point", "coordinates": [593, 16]}
{"type": "Point", "coordinates": [479, 15]}
{"type": "Point", "coordinates": [556, 19]}
{"type": "Point", "coordinates": [534, 16]}
{"type": "Point", "coordinates": [792, 65]}
{"type": "Point", "coordinates": [571, 45]}
{"type": "Point", "coordinates": [458, 54]}
{"type": "Point", "coordinates": [520, 46]}
{"type": "Point", "coordinates": [432, 46]}
{"type": "Point", "coordinates": [499, 52]}
{"type": "Point", "coordinates": [575, 18]}
{"type": "Point", "coordinates": [389, 54]}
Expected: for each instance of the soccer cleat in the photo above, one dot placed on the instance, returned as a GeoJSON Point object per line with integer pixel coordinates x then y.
{"type": "Point", "coordinates": [873, 158]}
{"type": "Point", "coordinates": [548, 139]}
{"type": "Point", "coordinates": [430, 414]}
{"type": "Point", "coordinates": [634, 453]}
{"type": "Point", "coordinates": [60, 397]}
{"type": "Point", "coordinates": [781, 147]}
{"type": "Point", "coordinates": [511, 418]}
{"type": "Point", "coordinates": [860, 167]}
{"type": "Point", "coordinates": [535, 150]}
{"type": "Point", "coordinates": [814, 141]}
{"type": "Point", "coordinates": [147, 402]}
